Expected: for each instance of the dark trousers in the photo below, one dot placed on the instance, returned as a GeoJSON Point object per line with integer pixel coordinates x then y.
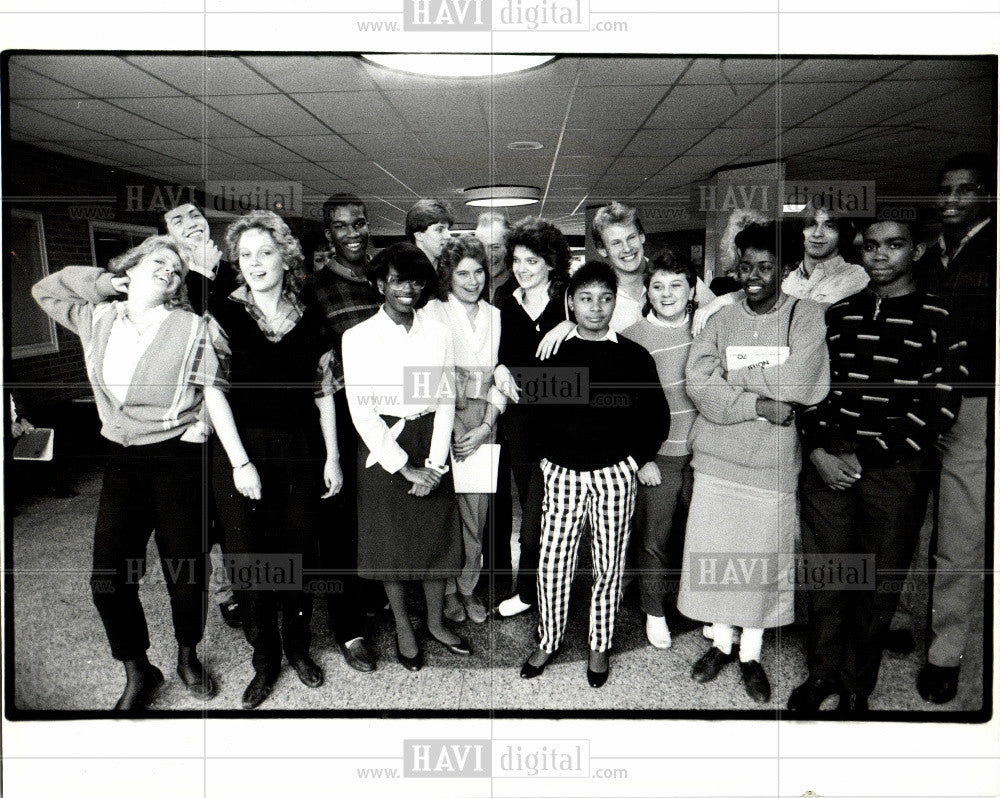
{"type": "Point", "coordinates": [497, 555]}
{"type": "Point", "coordinates": [157, 487]}
{"type": "Point", "coordinates": [526, 470]}
{"type": "Point", "coordinates": [879, 516]}
{"type": "Point", "coordinates": [262, 537]}
{"type": "Point", "coordinates": [347, 595]}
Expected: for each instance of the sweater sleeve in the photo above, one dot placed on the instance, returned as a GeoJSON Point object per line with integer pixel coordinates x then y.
{"type": "Point", "coordinates": [716, 399]}
{"type": "Point", "coordinates": [804, 378]}
{"type": "Point", "coordinates": [70, 295]}
{"type": "Point", "coordinates": [652, 425]}
{"type": "Point", "coordinates": [444, 415]}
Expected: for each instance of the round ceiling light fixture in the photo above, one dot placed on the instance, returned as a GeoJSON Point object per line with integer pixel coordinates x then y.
{"type": "Point", "coordinates": [518, 146]}
{"type": "Point", "coordinates": [501, 196]}
{"type": "Point", "coordinates": [457, 65]}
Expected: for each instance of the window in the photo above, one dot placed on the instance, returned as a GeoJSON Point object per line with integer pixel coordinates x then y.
{"type": "Point", "coordinates": [108, 239]}
{"type": "Point", "coordinates": [32, 332]}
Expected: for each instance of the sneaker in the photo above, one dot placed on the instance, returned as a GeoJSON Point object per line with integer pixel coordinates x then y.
{"type": "Point", "coordinates": [512, 606]}
{"type": "Point", "coordinates": [657, 632]}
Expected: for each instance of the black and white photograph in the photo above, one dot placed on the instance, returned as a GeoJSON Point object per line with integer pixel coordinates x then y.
{"type": "Point", "coordinates": [521, 393]}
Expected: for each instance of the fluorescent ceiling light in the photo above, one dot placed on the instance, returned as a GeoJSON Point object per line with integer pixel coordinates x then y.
{"type": "Point", "coordinates": [456, 65]}
{"type": "Point", "coordinates": [501, 196]}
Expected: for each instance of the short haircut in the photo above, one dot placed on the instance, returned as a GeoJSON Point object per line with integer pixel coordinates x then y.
{"type": "Point", "coordinates": [547, 242]}
{"type": "Point", "coordinates": [423, 214]}
{"type": "Point", "coordinates": [487, 218]}
{"type": "Point", "coordinates": [900, 216]}
{"type": "Point", "coordinates": [410, 263]}
{"type": "Point", "coordinates": [161, 220]}
{"type": "Point", "coordinates": [612, 213]}
{"type": "Point", "coordinates": [845, 225]}
{"type": "Point", "coordinates": [340, 200]}
{"type": "Point", "coordinates": [287, 244]}
{"type": "Point", "coordinates": [454, 251]}
{"type": "Point", "coordinates": [671, 262]}
{"type": "Point", "coordinates": [979, 162]}
{"type": "Point", "coordinates": [770, 237]}
{"type": "Point", "coordinates": [593, 271]}
{"type": "Point", "coordinates": [120, 264]}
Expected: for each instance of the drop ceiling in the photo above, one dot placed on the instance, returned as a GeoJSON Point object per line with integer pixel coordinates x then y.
{"type": "Point", "coordinates": [640, 129]}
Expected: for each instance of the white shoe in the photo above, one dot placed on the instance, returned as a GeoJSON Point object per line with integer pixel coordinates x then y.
{"type": "Point", "coordinates": [706, 631]}
{"type": "Point", "coordinates": [512, 606]}
{"type": "Point", "coordinates": [657, 632]}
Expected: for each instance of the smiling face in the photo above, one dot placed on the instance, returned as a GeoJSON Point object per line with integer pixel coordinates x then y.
{"type": "Point", "coordinates": [593, 304]}
{"type": "Point", "coordinates": [261, 263]}
{"type": "Point", "coordinates": [888, 253]}
{"type": "Point", "coordinates": [493, 237]}
{"type": "Point", "coordinates": [186, 224]}
{"type": "Point", "coordinates": [961, 199]}
{"type": "Point", "coordinates": [156, 277]}
{"type": "Point", "coordinates": [468, 281]}
{"type": "Point", "coordinates": [821, 236]}
{"type": "Point", "coordinates": [669, 295]}
{"type": "Point", "coordinates": [760, 277]}
{"type": "Point", "coordinates": [348, 232]}
{"type": "Point", "coordinates": [623, 247]}
{"type": "Point", "coordinates": [401, 294]}
{"type": "Point", "coordinates": [530, 270]}
{"type": "Point", "coordinates": [432, 240]}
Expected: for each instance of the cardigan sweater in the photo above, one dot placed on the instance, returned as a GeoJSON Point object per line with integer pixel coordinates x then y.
{"type": "Point", "coordinates": [729, 440]}
{"type": "Point", "coordinates": [165, 394]}
{"type": "Point", "coordinates": [669, 348]}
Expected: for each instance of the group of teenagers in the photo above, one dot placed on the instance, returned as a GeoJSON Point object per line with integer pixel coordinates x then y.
{"type": "Point", "coordinates": [810, 412]}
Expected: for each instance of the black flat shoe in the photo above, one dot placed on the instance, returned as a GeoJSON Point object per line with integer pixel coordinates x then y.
{"type": "Point", "coordinates": [358, 656]}
{"type": "Point", "coordinates": [308, 671]}
{"type": "Point", "coordinates": [808, 696]}
{"type": "Point", "coordinates": [410, 663]}
{"type": "Point", "coordinates": [755, 681]}
{"type": "Point", "coordinates": [230, 612]}
{"type": "Point", "coordinates": [529, 671]}
{"type": "Point", "coordinates": [198, 681]}
{"type": "Point", "coordinates": [258, 690]}
{"type": "Point", "coordinates": [137, 701]}
{"type": "Point", "coordinates": [900, 641]}
{"type": "Point", "coordinates": [461, 648]}
{"type": "Point", "coordinates": [598, 678]}
{"type": "Point", "coordinates": [937, 684]}
{"type": "Point", "coordinates": [852, 705]}
{"type": "Point", "coordinates": [710, 664]}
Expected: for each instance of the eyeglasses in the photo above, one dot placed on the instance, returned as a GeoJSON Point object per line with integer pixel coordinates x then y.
{"type": "Point", "coordinates": [416, 283]}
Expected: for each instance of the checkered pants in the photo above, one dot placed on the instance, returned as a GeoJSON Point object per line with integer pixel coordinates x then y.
{"type": "Point", "coordinates": [607, 498]}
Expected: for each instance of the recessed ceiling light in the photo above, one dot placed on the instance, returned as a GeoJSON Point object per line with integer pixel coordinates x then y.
{"type": "Point", "coordinates": [455, 65]}
{"type": "Point", "coordinates": [501, 196]}
{"type": "Point", "coordinates": [525, 145]}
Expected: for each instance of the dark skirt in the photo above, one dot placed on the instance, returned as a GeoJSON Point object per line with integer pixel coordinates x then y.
{"type": "Point", "coordinates": [402, 537]}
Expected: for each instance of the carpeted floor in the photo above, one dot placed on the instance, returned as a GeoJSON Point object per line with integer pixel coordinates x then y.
{"type": "Point", "coordinates": [61, 659]}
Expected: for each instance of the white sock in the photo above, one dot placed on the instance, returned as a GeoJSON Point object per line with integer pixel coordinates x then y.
{"type": "Point", "coordinates": [750, 644]}
{"type": "Point", "coordinates": [722, 634]}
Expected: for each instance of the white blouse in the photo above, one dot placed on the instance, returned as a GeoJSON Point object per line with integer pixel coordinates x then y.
{"type": "Point", "coordinates": [392, 371]}
{"type": "Point", "coordinates": [476, 345]}
{"type": "Point", "coordinates": [127, 343]}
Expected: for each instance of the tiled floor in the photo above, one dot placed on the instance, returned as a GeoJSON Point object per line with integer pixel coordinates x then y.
{"type": "Point", "coordinates": [62, 660]}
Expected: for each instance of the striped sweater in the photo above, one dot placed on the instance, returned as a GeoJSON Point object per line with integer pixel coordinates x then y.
{"type": "Point", "coordinates": [894, 367]}
{"type": "Point", "coordinates": [669, 347]}
{"type": "Point", "coordinates": [165, 395]}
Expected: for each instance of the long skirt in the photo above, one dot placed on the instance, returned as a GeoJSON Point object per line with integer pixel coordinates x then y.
{"type": "Point", "coordinates": [739, 555]}
{"type": "Point", "coordinates": [403, 537]}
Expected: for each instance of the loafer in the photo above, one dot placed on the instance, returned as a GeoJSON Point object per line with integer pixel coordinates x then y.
{"type": "Point", "coordinates": [258, 690]}
{"type": "Point", "coordinates": [410, 663]}
{"type": "Point", "coordinates": [136, 703]}
{"type": "Point", "coordinates": [230, 612]}
{"type": "Point", "coordinates": [710, 664]}
{"type": "Point", "coordinates": [755, 681]}
{"type": "Point", "coordinates": [900, 641]}
{"type": "Point", "coordinates": [937, 684]}
{"type": "Point", "coordinates": [198, 682]}
{"type": "Point", "coordinates": [529, 671]}
{"type": "Point", "coordinates": [512, 606]}
{"type": "Point", "coordinates": [852, 705]}
{"type": "Point", "coordinates": [474, 609]}
{"type": "Point", "coordinates": [809, 695]}
{"type": "Point", "coordinates": [309, 673]}
{"type": "Point", "coordinates": [357, 655]}
{"type": "Point", "coordinates": [461, 648]}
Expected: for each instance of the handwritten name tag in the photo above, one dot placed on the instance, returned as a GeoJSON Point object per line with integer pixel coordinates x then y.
{"type": "Point", "coordinates": [742, 357]}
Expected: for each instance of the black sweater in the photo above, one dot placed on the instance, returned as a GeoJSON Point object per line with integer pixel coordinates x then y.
{"type": "Point", "coordinates": [603, 403]}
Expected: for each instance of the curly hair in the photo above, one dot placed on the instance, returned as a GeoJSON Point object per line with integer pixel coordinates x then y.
{"type": "Point", "coordinates": [671, 262]}
{"type": "Point", "coordinates": [122, 263]}
{"type": "Point", "coordinates": [287, 244]}
{"type": "Point", "coordinates": [455, 250]}
{"type": "Point", "coordinates": [546, 241]}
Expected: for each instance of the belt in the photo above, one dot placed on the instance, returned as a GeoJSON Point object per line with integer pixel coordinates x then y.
{"type": "Point", "coordinates": [395, 424]}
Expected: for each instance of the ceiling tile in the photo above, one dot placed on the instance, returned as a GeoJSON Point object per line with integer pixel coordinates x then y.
{"type": "Point", "coordinates": [945, 69]}
{"type": "Point", "coordinates": [185, 72]}
{"type": "Point", "coordinates": [241, 172]}
{"type": "Point", "coordinates": [582, 164]}
{"type": "Point", "coordinates": [880, 101]}
{"type": "Point", "coordinates": [696, 165]}
{"type": "Point", "coordinates": [614, 106]}
{"type": "Point", "coordinates": [389, 144]}
{"type": "Point", "coordinates": [643, 166]}
{"type": "Point", "coordinates": [797, 101]}
{"type": "Point", "coordinates": [25, 84]}
{"type": "Point", "coordinates": [664, 143]}
{"type": "Point", "coordinates": [616, 71]}
{"type": "Point", "coordinates": [594, 142]}
{"type": "Point", "coordinates": [302, 171]}
{"type": "Point", "coordinates": [427, 110]}
{"type": "Point", "coordinates": [849, 68]}
{"type": "Point", "coordinates": [724, 71]}
{"type": "Point", "coordinates": [253, 150]}
{"type": "Point", "coordinates": [228, 75]}
{"type": "Point", "coordinates": [971, 104]}
{"type": "Point", "coordinates": [104, 117]}
{"type": "Point", "coordinates": [306, 73]}
{"type": "Point", "coordinates": [534, 107]}
{"type": "Point", "coordinates": [447, 145]}
{"type": "Point", "coordinates": [732, 141]}
{"type": "Point", "coordinates": [351, 111]}
{"type": "Point", "coordinates": [184, 115]}
{"type": "Point", "coordinates": [43, 126]}
{"type": "Point", "coordinates": [192, 151]}
{"type": "Point", "coordinates": [124, 153]}
{"type": "Point", "coordinates": [320, 148]}
{"type": "Point", "coordinates": [99, 75]}
{"type": "Point", "coordinates": [702, 106]}
{"type": "Point", "coordinates": [269, 115]}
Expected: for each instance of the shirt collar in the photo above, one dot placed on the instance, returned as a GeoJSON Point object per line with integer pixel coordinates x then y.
{"type": "Point", "coordinates": [610, 335]}
{"type": "Point", "coordinates": [345, 271]}
{"type": "Point", "coordinates": [831, 264]}
{"type": "Point", "coordinates": [244, 296]}
{"type": "Point", "coordinates": [153, 315]}
{"type": "Point", "coordinates": [652, 319]}
{"type": "Point", "coordinates": [945, 259]}
{"type": "Point", "coordinates": [386, 321]}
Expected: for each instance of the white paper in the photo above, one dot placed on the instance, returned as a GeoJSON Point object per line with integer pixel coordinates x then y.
{"type": "Point", "coordinates": [477, 473]}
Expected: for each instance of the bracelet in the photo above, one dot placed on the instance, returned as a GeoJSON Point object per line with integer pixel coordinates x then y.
{"type": "Point", "coordinates": [237, 468]}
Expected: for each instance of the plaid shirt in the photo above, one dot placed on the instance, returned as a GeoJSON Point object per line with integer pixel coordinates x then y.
{"type": "Point", "coordinates": [345, 303]}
